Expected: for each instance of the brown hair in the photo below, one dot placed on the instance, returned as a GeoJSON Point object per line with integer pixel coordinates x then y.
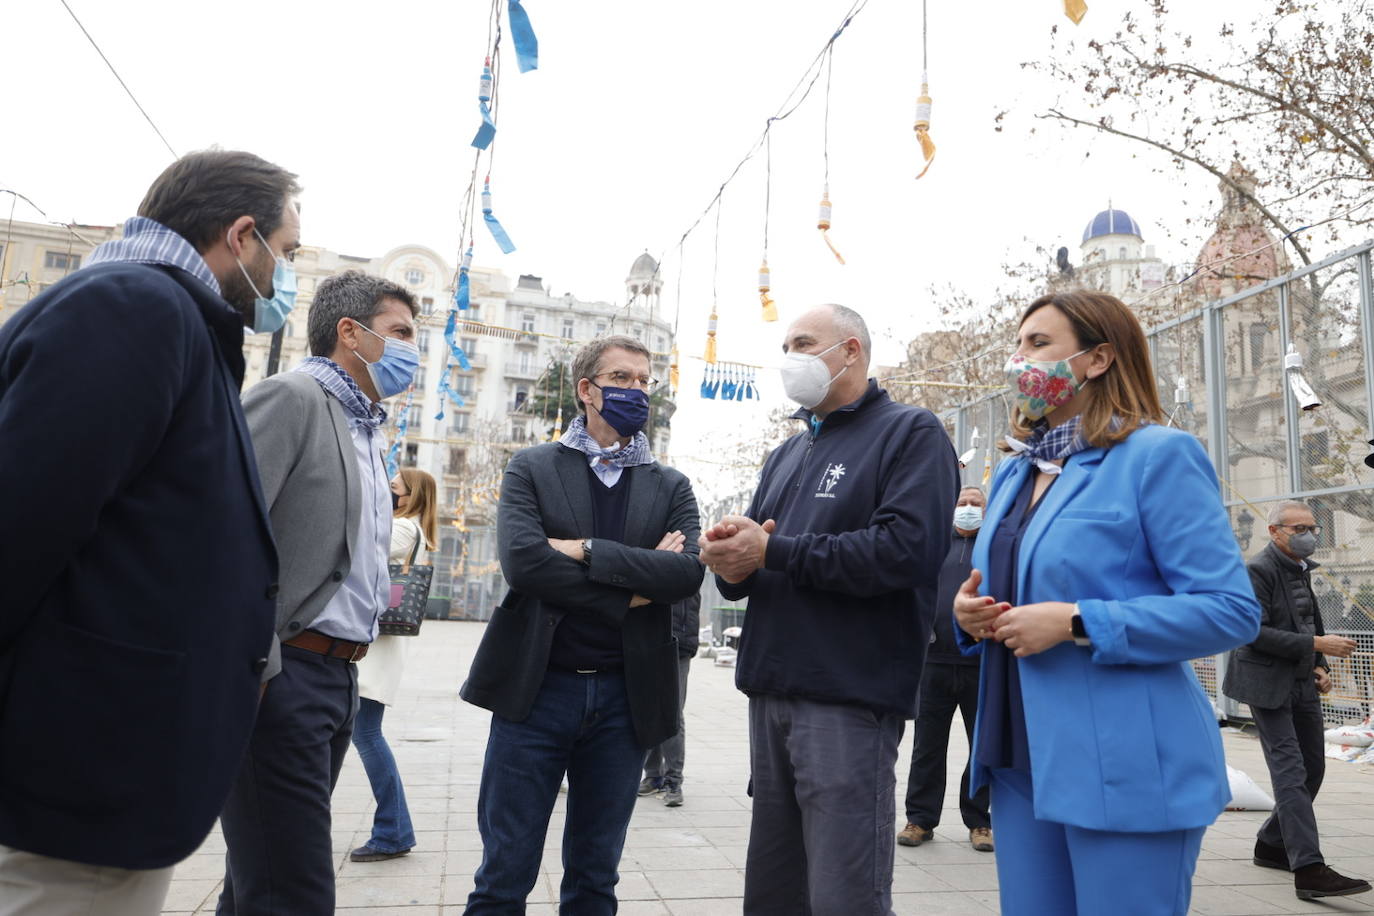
{"type": "Point", "coordinates": [424, 503]}
{"type": "Point", "coordinates": [1123, 397]}
{"type": "Point", "coordinates": [202, 193]}
{"type": "Point", "coordinates": [587, 362]}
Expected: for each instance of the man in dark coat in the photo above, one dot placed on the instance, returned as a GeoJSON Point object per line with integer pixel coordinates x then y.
{"type": "Point", "coordinates": [135, 549]}
{"type": "Point", "coordinates": [1280, 675]}
{"type": "Point", "coordinates": [579, 664]}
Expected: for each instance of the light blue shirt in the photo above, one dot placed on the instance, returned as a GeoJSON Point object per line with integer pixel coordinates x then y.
{"type": "Point", "coordinates": [353, 611]}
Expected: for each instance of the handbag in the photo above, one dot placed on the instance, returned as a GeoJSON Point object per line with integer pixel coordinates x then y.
{"type": "Point", "coordinates": [409, 593]}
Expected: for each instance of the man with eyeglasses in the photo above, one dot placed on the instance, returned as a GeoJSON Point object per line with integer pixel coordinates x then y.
{"type": "Point", "coordinates": [1280, 675]}
{"type": "Point", "coordinates": [578, 665]}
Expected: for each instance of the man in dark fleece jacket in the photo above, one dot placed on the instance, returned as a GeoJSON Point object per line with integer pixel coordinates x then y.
{"type": "Point", "coordinates": [839, 554]}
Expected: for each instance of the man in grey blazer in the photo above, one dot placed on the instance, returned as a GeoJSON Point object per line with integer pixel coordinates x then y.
{"type": "Point", "coordinates": [579, 665]}
{"type": "Point", "coordinates": [1279, 675]}
{"type": "Point", "coordinates": [316, 433]}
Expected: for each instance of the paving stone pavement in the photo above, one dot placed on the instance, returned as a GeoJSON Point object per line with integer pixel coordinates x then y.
{"type": "Point", "coordinates": [689, 861]}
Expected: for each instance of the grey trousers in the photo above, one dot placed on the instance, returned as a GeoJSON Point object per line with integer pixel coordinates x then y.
{"type": "Point", "coordinates": [665, 761]}
{"type": "Point", "coordinates": [34, 885]}
{"type": "Point", "coordinates": [1294, 743]}
{"type": "Point", "coordinates": [821, 836]}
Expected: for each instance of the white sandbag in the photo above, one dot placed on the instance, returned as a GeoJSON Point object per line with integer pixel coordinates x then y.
{"type": "Point", "coordinates": [1350, 735]}
{"type": "Point", "coordinates": [1246, 795]}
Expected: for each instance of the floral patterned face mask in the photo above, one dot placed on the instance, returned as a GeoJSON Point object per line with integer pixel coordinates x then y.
{"type": "Point", "coordinates": [1040, 386]}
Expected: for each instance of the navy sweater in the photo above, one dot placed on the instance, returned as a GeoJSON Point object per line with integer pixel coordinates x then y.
{"type": "Point", "coordinates": [842, 610]}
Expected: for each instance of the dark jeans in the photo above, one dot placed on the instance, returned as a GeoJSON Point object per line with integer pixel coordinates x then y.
{"type": "Point", "coordinates": [391, 827]}
{"type": "Point", "coordinates": [280, 858]}
{"type": "Point", "coordinates": [944, 688]}
{"type": "Point", "coordinates": [1293, 738]}
{"type": "Point", "coordinates": [820, 839]}
{"type": "Point", "coordinates": [665, 761]}
{"type": "Point", "coordinates": [579, 724]}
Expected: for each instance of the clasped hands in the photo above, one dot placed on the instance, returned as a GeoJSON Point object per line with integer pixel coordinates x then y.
{"type": "Point", "coordinates": [1026, 630]}
{"type": "Point", "coordinates": [734, 547]}
{"type": "Point", "coordinates": [572, 548]}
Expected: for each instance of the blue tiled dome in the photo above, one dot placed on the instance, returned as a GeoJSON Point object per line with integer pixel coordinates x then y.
{"type": "Point", "coordinates": [1111, 222]}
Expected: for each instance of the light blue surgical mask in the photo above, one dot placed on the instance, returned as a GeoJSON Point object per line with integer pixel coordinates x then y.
{"type": "Point", "coordinates": [968, 518]}
{"type": "Point", "coordinates": [394, 372]}
{"type": "Point", "coordinates": [269, 315]}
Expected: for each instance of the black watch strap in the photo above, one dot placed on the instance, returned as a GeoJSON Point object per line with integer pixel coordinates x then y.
{"type": "Point", "coordinates": [587, 551]}
{"type": "Point", "coordinates": [1080, 634]}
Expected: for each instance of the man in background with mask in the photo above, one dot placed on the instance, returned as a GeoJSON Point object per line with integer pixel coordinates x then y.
{"type": "Point", "coordinates": [1279, 675]}
{"type": "Point", "coordinates": [578, 665]}
{"type": "Point", "coordinates": [839, 555]}
{"type": "Point", "coordinates": [137, 561]}
{"type": "Point", "coordinates": [316, 432]}
{"type": "Point", "coordinates": [949, 682]}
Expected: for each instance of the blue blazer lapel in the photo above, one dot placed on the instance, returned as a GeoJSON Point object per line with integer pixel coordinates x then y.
{"type": "Point", "coordinates": [572, 471]}
{"type": "Point", "coordinates": [1078, 470]}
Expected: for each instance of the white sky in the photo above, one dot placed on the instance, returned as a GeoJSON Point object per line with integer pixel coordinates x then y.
{"type": "Point", "coordinates": [613, 146]}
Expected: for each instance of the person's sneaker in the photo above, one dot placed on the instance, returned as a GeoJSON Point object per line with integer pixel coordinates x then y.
{"type": "Point", "coordinates": [672, 795]}
{"type": "Point", "coordinates": [981, 838]}
{"type": "Point", "coordinates": [914, 835]}
{"type": "Point", "coordinates": [1319, 880]}
{"type": "Point", "coordinates": [368, 854]}
{"type": "Point", "coordinates": [1267, 856]}
{"type": "Point", "coordinates": [650, 785]}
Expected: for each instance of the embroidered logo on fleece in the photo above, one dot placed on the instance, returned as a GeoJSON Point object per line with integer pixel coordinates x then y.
{"type": "Point", "coordinates": [829, 478]}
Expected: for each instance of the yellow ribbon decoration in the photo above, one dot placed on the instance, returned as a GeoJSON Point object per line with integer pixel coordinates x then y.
{"type": "Point", "coordinates": [1075, 10]}
{"type": "Point", "coordinates": [823, 224]}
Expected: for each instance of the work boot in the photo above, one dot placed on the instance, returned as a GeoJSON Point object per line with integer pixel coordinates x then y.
{"type": "Point", "coordinates": [1267, 856]}
{"type": "Point", "coordinates": [650, 785]}
{"type": "Point", "coordinates": [672, 794]}
{"type": "Point", "coordinates": [914, 835]}
{"type": "Point", "coordinates": [981, 838]}
{"type": "Point", "coordinates": [1318, 880]}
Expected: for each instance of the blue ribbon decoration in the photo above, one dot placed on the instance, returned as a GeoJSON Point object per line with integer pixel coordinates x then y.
{"type": "Point", "coordinates": [487, 131]}
{"type": "Point", "coordinates": [526, 45]}
{"type": "Point", "coordinates": [502, 240]}
{"type": "Point", "coordinates": [462, 296]}
{"type": "Point", "coordinates": [401, 426]}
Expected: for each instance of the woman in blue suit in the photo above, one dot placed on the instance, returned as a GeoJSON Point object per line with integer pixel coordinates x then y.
{"type": "Point", "coordinates": [1105, 562]}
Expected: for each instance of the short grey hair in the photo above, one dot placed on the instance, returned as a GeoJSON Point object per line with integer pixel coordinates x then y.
{"type": "Point", "coordinates": [587, 363]}
{"type": "Point", "coordinates": [851, 324]}
{"type": "Point", "coordinates": [1277, 510]}
{"type": "Point", "coordinates": [351, 294]}
{"type": "Point", "coordinates": [978, 490]}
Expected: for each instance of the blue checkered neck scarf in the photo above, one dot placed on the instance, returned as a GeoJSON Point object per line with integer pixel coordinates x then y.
{"type": "Point", "coordinates": [1047, 444]}
{"type": "Point", "coordinates": [147, 241]}
{"type": "Point", "coordinates": [635, 452]}
{"type": "Point", "coordinates": [333, 379]}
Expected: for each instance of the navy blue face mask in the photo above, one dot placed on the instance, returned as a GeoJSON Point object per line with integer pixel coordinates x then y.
{"type": "Point", "coordinates": [625, 409]}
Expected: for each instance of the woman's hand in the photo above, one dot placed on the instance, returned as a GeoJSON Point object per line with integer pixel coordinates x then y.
{"type": "Point", "coordinates": [1033, 628]}
{"type": "Point", "coordinates": [975, 613]}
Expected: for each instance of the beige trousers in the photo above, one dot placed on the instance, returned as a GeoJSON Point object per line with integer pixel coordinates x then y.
{"type": "Point", "coordinates": [34, 885]}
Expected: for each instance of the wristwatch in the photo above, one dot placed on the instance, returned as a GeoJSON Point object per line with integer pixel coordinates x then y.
{"type": "Point", "coordinates": [587, 551]}
{"type": "Point", "coordinates": [1080, 635]}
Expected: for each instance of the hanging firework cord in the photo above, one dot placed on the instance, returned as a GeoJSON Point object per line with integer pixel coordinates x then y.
{"type": "Point", "coordinates": [710, 355]}
{"type": "Point", "coordinates": [487, 131]}
{"type": "Point", "coordinates": [770, 311]}
{"type": "Point", "coordinates": [499, 234]}
{"type": "Point", "coordinates": [923, 102]}
{"type": "Point", "coordinates": [823, 223]}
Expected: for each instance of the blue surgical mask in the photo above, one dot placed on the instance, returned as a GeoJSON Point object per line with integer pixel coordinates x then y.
{"type": "Point", "coordinates": [625, 409]}
{"type": "Point", "coordinates": [968, 518]}
{"type": "Point", "coordinates": [394, 372]}
{"type": "Point", "coordinates": [269, 315]}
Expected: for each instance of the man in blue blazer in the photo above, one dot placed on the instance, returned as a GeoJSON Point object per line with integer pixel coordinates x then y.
{"type": "Point", "coordinates": [138, 564]}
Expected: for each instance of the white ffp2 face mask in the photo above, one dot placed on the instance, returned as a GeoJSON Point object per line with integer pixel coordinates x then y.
{"type": "Point", "coordinates": [806, 378]}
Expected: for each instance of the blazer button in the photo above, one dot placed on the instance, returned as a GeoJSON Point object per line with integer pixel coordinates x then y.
{"type": "Point", "coordinates": [260, 666]}
{"type": "Point", "coordinates": [552, 622]}
{"type": "Point", "coordinates": [272, 590]}
{"type": "Point", "coordinates": [294, 625]}
{"type": "Point", "coordinates": [338, 576]}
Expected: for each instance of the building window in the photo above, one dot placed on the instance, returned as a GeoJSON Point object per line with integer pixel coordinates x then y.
{"type": "Point", "coordinates": [567, 328]}
{"type": "Point", "coordinates": [522, 395]}
{"type": "Point", "coordinates": [415, 277]}
{"type": "Point", "coordinates": [1123, 252]}
{"type": "Point", "coordinates": [517, 433]}
{"type": "Point", "coordinates": [412, 455]}
{"type": "Point", "coordinates": [460, 423]}
{"type": "Point", "coordinates": [526, 361]}
{"type": "Point", "coordinates": [600, 329]}
{"type": "Point", "coordinates": [527, 322]}
{"type": "Point", "coordinates": [60, 260]}
{"type": "Point", "coordinates": [467, 386]}
{"type": "Point", "coordinates": [422, 341]}
{"type": "Point", "coordinates": [426, 305]}
{"type": "Point", "coordinates": [420, 377]}
{"type": "Point", "coordinates": [661, 344]}
{"type": "Point", "coordinates": [457, 460]}
{"type": "Point", "coordinates": [469, 345]}
{"type": "Point", "coordinates": [415, 416]}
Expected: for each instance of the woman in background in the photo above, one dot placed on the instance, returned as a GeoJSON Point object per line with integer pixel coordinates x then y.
{"type": "Point", "coordinates": [414, 525]}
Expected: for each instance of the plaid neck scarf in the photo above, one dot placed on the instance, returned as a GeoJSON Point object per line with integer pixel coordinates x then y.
{"type": "Point", "coordinates": [635, 452]}
{"type": "Point", "coordinates": [333, 379]}
{"type": "Point", "coordinates": [1047, 444]}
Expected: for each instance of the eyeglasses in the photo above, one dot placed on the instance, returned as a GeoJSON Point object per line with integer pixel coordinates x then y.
{"type": "Point", "coordinates": [624, 380]}
{"type": "Point", "coordinates": [1302, 529]}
